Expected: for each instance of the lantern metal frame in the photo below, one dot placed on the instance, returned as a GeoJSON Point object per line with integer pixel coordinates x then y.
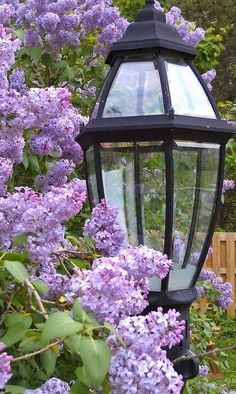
{"type": "Point", "coordinates": [149, 37]}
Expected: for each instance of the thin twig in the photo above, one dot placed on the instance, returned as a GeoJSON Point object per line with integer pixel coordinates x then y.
{"type": "Point", "coordinates": [29, 355]}
{"type": "Point", "coordinates": [64, 267]}
{"type": "Point", "coordinates": [202, 355]}
{"type": "Point", "coordinates": [36, 310]}
{"type": "Point", "coordinates": [37, 298]}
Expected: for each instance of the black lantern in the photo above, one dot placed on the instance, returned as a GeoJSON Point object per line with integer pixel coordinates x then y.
{"type": "Point", "coordinates": [155, 147]}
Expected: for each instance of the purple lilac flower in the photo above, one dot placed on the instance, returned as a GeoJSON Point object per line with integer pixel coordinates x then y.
{"type": "Point", "coordinates": [143, 262]}
{"type": "Point", "coordinates": [223, 290]}
{"type": "Point", "coordinates": [6, 168]}
{"type": "Point", "coordinates": [203, 370]}
{"type": "Point", "coordinates": [228, 184]}
{"type": "Point", "coordinates": [104, 229]}
{"type": "Point", "coordinates": [208, 77]}
{"type": "Point", "coordinates": [53, 386]}
{"type": "Point", "coordinates": [41, 144]}
{"type": "Point", "coordinates": [143, 367]}
{"type": "Point", "coordinates": [201, 292]}
{"type": "Point", "coordinates": [41, 217]}
{"type": "Point", "coordinates": [117, 287]}
{"type": "Point", "coordinates": [5, 367]}
{"type": "Point", "coordinates": [6, 12]}
{"type": "Point", "coordinates": [56, 176]}
{"type": "Point", "coordinates": [164, 329]}
{"type": "Point", "coordinates": [143, 373]}
{"type": "Point", "coordinates": [228, 392]}
{"type": "Point", "coordinates": [109, 292]}
{"type": "Point", "coordinates": [17, 80]}
{"type": "Point", "coordinates": [59, 23]}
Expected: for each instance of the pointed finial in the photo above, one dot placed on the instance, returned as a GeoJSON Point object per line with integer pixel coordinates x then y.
{"type": "Point", "coordinates": [150, 2]}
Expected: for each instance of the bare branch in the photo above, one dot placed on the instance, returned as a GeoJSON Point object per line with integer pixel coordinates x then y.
{"type": "Point", "coordinates": [37, 298]}
{"type": "Point", "coordinates": [29, 355]}
{"type": "Point", "coordinates": [206, 354]}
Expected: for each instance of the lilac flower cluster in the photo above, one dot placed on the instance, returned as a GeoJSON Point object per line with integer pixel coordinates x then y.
{"type": "Point", "coordinates": [228, 184]}
{"type": "Point", "coordinates": [109, 292]}
{"type": "Point", "coordinates": [49, 111]}
{"type": "Point", "coordinates": [59, 23]}
{"type": "Point", "coordinates": [52, 385]}
{"type": "Point", "coordinates": [223, 290]}
{"type": "Point", "coordinates": [104, 229]}
{"type": "Point", "coordinates": [56, 176]}
{"type": "Point", "coordinates": [6, 168]}
{"type": "Point", "coordinates": [40, 217]}
{"type": "Point", "coordinates": [17, 80]}
{"type": "Point", "coordinates": [117, 287]}
{"type": "Point", "coordinates": [187, 31]}
{"type": "Point", "coordinates": [142, 367]}
{"type": "Point", "coordinates": [208, 77]}
{"type": "Point", "coordinates": [143, 262]}
{"type": "Point", "coordinates": [5, 367]}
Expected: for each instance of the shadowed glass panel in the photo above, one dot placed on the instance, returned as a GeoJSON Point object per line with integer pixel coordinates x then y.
{"type": "Point", "coordinates": [136, 91]}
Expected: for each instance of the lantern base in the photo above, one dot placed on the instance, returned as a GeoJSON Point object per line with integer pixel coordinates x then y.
{"type": "Point", "coordinates": [180, 300]}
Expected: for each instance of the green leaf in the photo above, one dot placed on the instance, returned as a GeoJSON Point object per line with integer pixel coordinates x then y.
{"type": "Point", "coordinates": [73, 343]}
{"type": "Point", "coordinates": [14, 389]}
{"type": "Point", "coordinates": [40, 286]}
{"type": "Point", "coordinates": [47, 59]}
{"type": "Point", "coordinates": [32, 342]}
{"type": "Point", "coordinates": [19, 33]}
{"type": "Point", "coordinates": [79, 387]}
{"type": "Point", "coordinates": [95, 355]}
{"type": "Point", "coordinates": [106, 388]}
{"type": "Point", "coordinates": [89, 242]}
{"type": "Point", "coordinates": [14, 256]}
{"type": "Point", "coordinates": [19, 240]}
{"type": "Point", "coordinates": [59, 324]}
{"type": "Point", "coordinates": [25, 160]}
{"type": "Point", "coordinates": [17, 270]}
{"type": "Point", "coordinates": [48, 360]}
{"type": "Point", "coordinates": [79, 314]}
{"type": "Point", "coordinates": [14, 334]}
{"type": "Point", "coordinates": [14, 318]}
{"type": "Point", "coordinates": [34, 162]}
{"type": "Point", "coordinates": [83, 376]}
{"type": "Point", "coordinates": [35, 53]}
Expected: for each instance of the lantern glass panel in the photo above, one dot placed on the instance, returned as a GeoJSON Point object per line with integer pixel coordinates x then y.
{"type": "Point", "coordinates": [206, 157]}
{"type": "Point", "coordinates": [117, 165]}
{"type": "Point", "coordinates": [134, 180]}
{"type": "Point", "coordinates": [187, 94]}
{"type": "Point", "coordinates": [153, 196]}
{"type": "Point", "coordinates": [185, 170]}
{"type": "Point", "coordinates": [135, 91]}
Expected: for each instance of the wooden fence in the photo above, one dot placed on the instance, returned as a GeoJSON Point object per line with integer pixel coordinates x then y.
{"type": "Point", "coordinates": [223, 262]}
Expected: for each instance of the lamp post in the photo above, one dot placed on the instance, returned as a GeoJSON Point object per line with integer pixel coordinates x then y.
{"type": "Point", "coordinates": [155, 147]}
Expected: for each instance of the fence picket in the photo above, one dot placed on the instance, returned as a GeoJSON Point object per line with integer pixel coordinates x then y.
{"type": "Point", "coordinates": [223, 262]}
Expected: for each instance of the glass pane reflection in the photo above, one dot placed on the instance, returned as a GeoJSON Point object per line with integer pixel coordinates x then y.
{"type": "Point", "coordinates": [200, 203]}
{"type": "Point", "coordinates": [187, 94]}
{"type": "Point", "coordinates": [136, 91]}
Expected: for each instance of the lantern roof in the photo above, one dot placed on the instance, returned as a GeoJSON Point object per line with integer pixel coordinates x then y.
{"type": "Point", "coordinates": [150, 32]}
